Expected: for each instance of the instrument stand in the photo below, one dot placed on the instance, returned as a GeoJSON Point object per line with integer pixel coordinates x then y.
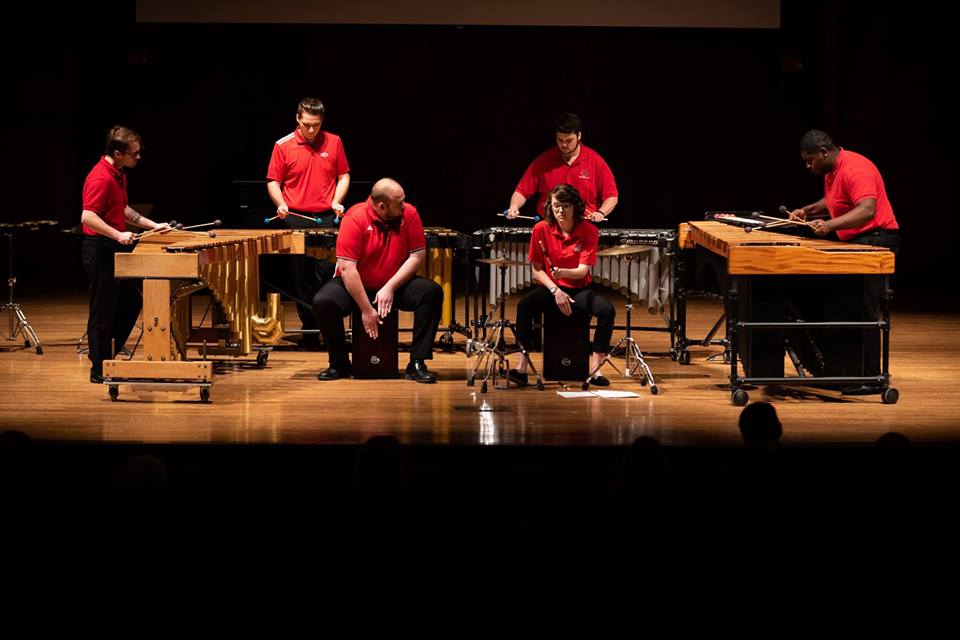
{"type": "Point", "coordinates": [492, 351]}
{"type": "Point", "coordinates": [17, 319]}
{"type": "Point", "coordinates": [630, 348]}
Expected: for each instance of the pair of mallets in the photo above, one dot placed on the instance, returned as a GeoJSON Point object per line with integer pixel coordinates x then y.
{"type": "Point", "coordinates": [177, 226]}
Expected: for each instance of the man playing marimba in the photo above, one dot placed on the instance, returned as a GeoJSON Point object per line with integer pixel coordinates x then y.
{"type": "Point", "coordinates": [114, 304]}
{"type": "Point", "coordinates": [562, 270]}
{"type": "Point", "coordinates": [380, 247]}
{"type": "Point", "coordinates": [856, 207]}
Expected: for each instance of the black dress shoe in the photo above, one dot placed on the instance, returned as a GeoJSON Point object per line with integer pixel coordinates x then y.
{"type": "Point", "coordinates": [335, 373]}
{"type": "Point", "coordinates": [96, 378]}
{"type": "Point", "coordinates": [599, 381]}
{"type": "Point", "coordinates": [417, 370]}
{"type": "Point", "coordinates": [861, 390]}
{"type": "Point", "coordinates": [520, 379]}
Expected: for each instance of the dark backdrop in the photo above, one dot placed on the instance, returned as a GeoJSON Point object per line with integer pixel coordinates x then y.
{"type": "Point", "coordinates": [689, 119]}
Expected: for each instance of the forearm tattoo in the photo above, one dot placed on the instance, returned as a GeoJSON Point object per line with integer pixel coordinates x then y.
{"type": "Point", "coordinates": [133, 216]}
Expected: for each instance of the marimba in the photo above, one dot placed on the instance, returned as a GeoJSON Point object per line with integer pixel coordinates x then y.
{"type": "Point", "coordinates": [175, 265]}
{"type": "Point", "coordinates": [764, 279]}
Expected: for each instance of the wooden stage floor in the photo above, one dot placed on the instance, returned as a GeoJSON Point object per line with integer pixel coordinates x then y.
{"type": "Point", "coordinates": [50, 397]}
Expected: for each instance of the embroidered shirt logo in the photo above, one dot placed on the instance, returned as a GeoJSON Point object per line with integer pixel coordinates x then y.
{"type": "Point", "coordinates": [324, 154]}
{"type": "Point", "coordinates": [584, 174]}
{"type": "Point", "coordinates": [577, 247]}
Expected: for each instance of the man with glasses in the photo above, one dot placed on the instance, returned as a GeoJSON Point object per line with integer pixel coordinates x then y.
{"type": "Point", "coordinates": [309, 175]}
{"type": "Point", "coordinates": [114, 304]}
{"type": "Point", "coordinates": [572, 163]}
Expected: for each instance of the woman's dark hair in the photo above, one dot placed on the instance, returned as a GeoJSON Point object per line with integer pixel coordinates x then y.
{"type": "Point", "coordinates": [564, 194]}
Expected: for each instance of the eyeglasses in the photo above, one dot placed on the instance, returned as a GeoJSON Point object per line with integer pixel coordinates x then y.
{"type": "Point", "coordinates": [132, 155]}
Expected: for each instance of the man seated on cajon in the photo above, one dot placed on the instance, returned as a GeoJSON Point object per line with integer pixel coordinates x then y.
{"type": "Point", "coordinates": [380, 247]}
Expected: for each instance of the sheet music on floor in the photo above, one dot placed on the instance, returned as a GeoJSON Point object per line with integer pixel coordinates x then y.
{"type": "Point", "coordinates": [598, 394]}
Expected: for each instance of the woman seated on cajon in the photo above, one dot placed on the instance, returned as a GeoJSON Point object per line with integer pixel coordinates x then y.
{"type": "Point", "coordinates": [563, 247]}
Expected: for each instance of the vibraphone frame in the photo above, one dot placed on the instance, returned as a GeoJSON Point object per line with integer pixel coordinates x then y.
{"type": "Point", "coordinates": [484, 240]}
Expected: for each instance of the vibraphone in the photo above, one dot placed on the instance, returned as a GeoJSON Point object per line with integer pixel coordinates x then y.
{"type": "Point", "coordinates": [760, 276]}
{"type": "Point", "coordinates": [652, 272]}
{"type": "Point", "coordinates": [175, 265]}
{"type": "Point", "coordinates": [443, 247]}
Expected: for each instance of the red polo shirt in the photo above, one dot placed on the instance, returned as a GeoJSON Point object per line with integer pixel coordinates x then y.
{"type": "Point", "coordinates": [853, 179]}
{"type": "Point", "coordinates": [589, 174]}
{"type": "Point", "coordinates": [378, 249]}
{"type": "Point", "coordinates": [580, 247]}
{"type": "Point", "coordinates": [105, 193]}
{"type": "Point", "coordinates": [308, 172]}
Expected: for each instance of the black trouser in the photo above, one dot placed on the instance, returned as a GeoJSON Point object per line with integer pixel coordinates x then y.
{"type": "Point", "coordinates": [584, 300]}
{"type": "Point", "coordinates": [422, 296]}
{"type": "Point", "coordinates": [309, 274]}
{"type": "Point", "coordinates": [873, 298]}
{"type": "Point", "coordinates": [114, 304]}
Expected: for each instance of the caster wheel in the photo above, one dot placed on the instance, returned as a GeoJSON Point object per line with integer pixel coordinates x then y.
{"type": "Point", "coordinates": [890, 395]}
{"type": "Point", "coordinates": [726, 357]}
{"type": "Point", "coordinates": [26, 343]}
{"type": "Point", "coordinates": [585, 386]}
{"type": "Point", "coordinates": [204, 395]}
{"type": "Point", "coordinates": [684, 357]}
{"type": "Point", "coordinates": [653, 390]}
{"type": "Point", "coordinates": [539, 385]}
{"type": "Point", "coordinates": [673, 354]}
{"type": "Point", "coordinates": [114, 392]}
{"type": "Point", "coordinates": [39, 350]}
{"type": "Point", "coordinates": [483, 387]}
{"type": "Point", "coordinates": [262, 359]}
{"type": "Point", "coordinates": [739, 397]}
{"type": "Point", "coordinates": [643, 382]}
{"type": "Point", "coordinates": [470, 381]}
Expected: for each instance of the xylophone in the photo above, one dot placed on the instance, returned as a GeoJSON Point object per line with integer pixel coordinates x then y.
{"type": "Point", "coordinates": [176, 264]}
{"type": "Point", "coordinates": [772, 284]}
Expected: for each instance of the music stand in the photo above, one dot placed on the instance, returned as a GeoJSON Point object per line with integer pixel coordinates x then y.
{"type": "Point", "coordinates": [630, 348]}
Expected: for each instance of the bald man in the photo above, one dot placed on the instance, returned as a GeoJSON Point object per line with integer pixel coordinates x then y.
{"type": "Point", "coordinates": [380, 247]}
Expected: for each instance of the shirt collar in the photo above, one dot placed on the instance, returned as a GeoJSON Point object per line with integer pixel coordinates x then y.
{"type": "Point", "coordinates": [301, 140]}
{"type": "Point", "coordinates": [836, 166]}
{"type": "Point", "coordinates": [558, 232]}
{"type": "Point", "coordinates": [113, 170]}
{"type": "Point", "coordinates": [374, 219]}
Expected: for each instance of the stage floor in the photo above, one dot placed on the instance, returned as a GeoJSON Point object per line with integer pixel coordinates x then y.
{"type": "Point", "coordinates": [49, 397]}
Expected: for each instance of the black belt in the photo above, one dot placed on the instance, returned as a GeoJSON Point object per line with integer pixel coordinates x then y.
{"type": "Point", "coordinates": [879, 232]}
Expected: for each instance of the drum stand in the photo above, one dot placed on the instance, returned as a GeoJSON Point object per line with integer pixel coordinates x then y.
{"type": "Point", "coordinates": [492, 351]}
{"type": "Point", "coordinates": [630, 349]}
{"type": "Point", "coordinates": [18, 323]}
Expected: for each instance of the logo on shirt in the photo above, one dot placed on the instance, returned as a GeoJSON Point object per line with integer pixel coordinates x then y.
{"type": "Point", "coordinates": [584, 174]}
{"type": "Point", "coordinates": [577, 247]}
{"type": "Point", "coordinates": [324, 154]}
{"type": "Point", "coordinates": [369, 227]}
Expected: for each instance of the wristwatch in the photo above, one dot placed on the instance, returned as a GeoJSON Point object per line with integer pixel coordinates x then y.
{"type": "Point", "coordinates": [554, 290]}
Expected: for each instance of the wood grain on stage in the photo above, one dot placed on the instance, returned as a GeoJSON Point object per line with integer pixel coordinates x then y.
{"type": "Point", "coordinates": [50, 397]}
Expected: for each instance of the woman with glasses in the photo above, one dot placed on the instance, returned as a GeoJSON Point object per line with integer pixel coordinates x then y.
{"type": "Point", "coordinates": [563, 247]}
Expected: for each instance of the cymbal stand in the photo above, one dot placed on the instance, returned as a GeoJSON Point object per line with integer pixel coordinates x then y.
{"type": "Point", "coordinates": [492, 351]}
{"type": "Point", "coordinates": [630, 349]}
{"type": "Point", "coordinates": [18, 323]}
